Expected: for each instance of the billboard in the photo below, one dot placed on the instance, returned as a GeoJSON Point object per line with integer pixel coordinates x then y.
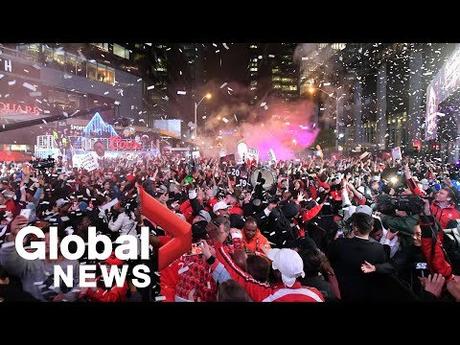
{"type": "Point", "coordinates": [170, 128]}
{"type": "Point", "coordinates": [443, 84]}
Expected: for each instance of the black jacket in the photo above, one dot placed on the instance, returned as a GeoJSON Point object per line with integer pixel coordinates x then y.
{"type": "Point", "coordinates": [13, 293]}
{"type": "Point", "coordinates": [346, 257]}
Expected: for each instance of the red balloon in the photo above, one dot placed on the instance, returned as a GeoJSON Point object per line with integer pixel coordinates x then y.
{"type": "Point", "coordinates": [178, 229]}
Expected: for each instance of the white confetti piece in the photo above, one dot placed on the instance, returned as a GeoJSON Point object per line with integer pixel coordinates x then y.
{"type": "Point", "coordinates": [225, 46]}
{"type": "Point", "coordinates": [1, 76]}
{"type": "Point", "coordinates": [181, 92]}
{"type": "Point", "coordinates": [12, 82]}
{"type": "Point", "coordinates": [151, 87]}
{"type": "Point", "coordinates": [44, 121]}
{"type": "Point", "coordinates": [183, 269]}
{"type": "Point", "coordinates": [223, 85]}
{"type": "Point", "coordinates": [160, 298]}
{"type": "Point", "coordinates": [106, 93]}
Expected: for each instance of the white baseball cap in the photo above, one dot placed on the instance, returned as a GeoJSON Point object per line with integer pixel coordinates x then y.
{"type": "Point", "coordinates": [61, 202]}
{"type": "Point", "coordinates": [364, 209]}
{"type": "Point", "coordinates": [221, 205]}
{"type": "Point", "coordinates": [288, 262]}
{"type": "Point", "coordinates": [205, 215]}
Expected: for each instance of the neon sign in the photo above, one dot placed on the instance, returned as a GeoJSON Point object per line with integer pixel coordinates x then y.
{"type": "Point", "coordinates": [8, 108]}
{"type": "Point", "coordinates": [116, 143]}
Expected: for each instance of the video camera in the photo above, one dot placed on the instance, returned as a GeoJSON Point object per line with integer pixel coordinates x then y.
{"type": "Point", "coordinates": [412, 204]}
{"type": "Point", "coordinates": [43, 164]}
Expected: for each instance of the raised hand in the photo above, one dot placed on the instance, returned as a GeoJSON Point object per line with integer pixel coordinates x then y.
{"type": "Point", "coordinates": [434, 284]}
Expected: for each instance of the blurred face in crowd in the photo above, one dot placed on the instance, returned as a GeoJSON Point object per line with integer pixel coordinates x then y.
{"type": "Point", "coordinates": [82, 227]}
{"type": "Point", "coordinates": [250, 230]}
{"type": "Point", "coordinates": [163, 198]}
{"type": "Point", "coordinates": [297, 185]}
{"type": "Point", "coordinates": [442, 196]}
{"type": "Point", "coordinates": [230, 199]}
{"type": "Point", "coordinates": [107, 186]}
{"type": "Point", "coordinates": [209, 193]}
{"type": "Point", "coordinates": [417, 236]}
{"type": "Point", "coordinates": [219, 233]}
{"type": "Point", "coordinates": [377, 235]}
{"type": "Point", "coordinates": [375, 186]}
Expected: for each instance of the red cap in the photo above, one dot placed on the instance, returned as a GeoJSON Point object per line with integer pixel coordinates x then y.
{"type": "Point", "coordinates": [113, 260]}
{"type": "Point", "coordinates": [335, 195]}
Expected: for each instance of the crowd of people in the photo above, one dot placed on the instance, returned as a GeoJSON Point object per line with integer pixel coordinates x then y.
{"type": "Point", "coordinates": [335, 229]}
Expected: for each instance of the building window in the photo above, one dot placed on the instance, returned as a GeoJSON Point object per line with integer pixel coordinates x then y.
{"type": "Point", "coordinates": [33, 50]}
{"type": "Point", "coordinates": [103, 46]}
{"type": "Point", "coordinates": [100, 72]}
{"type": "Point", "coordinates": [80, 68]}
{"type": "Point", "coordinates": [91, 71]}
{"type": "Point", "coordinates": [71, 63]}
{"type": "Point", "coordinates": [59, 57]}
{"type": "Point", "coordinates": [48, 54]}
{"type": "Point", "coordinates": [120, 51]}
{"type": "Point", "coordinates": [338, 46]}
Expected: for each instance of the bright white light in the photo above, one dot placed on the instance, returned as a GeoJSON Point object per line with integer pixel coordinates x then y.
{"type": "Point", "coordinates": [242, 149]}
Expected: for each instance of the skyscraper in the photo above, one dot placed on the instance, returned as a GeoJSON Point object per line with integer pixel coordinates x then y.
{"type": "Point", "coordinates": [273, 71]}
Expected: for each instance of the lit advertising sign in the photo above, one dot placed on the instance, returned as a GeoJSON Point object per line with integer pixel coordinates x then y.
{"type": "Point", "coordinates": [444, 84]}
{"type": "Point", "coordinates": [431, 114]}
{"type": "Point", "coordinates": [169, 127]}
{"type": "Point", "coordinates": [16, 108]}
{"type": "Point", "coordinates": [116, 143]}
{"type": "Point", "coordinates": [19, 68]}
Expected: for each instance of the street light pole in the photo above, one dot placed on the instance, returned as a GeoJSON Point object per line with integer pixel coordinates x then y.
{"type": "Point", "coordinates": [207, 96]}
{"type": "Point", "coordinates": [196, 120]}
